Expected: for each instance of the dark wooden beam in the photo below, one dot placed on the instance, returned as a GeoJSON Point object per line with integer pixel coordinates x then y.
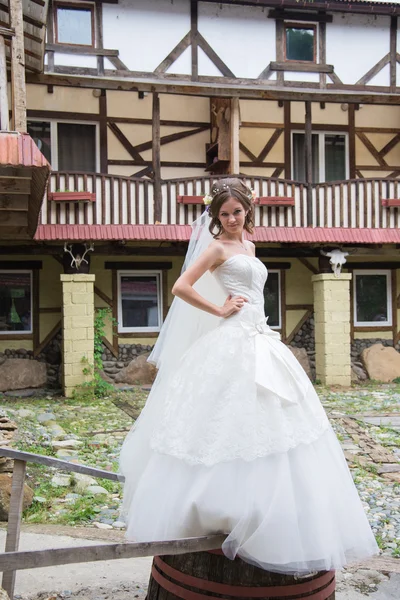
{"type": "Point", "coordinates": [287, 140]}
{"type": "Point", "coordinates": [126, 144]}
{"type": "Point", "coordinates": [300, 16]}
{"type": "Point", "coordinates": [270, 144]}
{"type": "Point", "coordinates": [250, 89]}
{"type": "Point", "coordinates": [103, 131]}
{"type": "Point", "coordinates": [15, 265]}
{"type": "Point", "coordinates": [393, 53]}
{"type": "Point", "coordinates": [156, 157]}
{"type": "Point", "coordinates": [193, 37]}
{"type": "Point", "coordinates": [80, 50]}
{"type": "Point", "coordinates": [352, 141]}
{"type": "Point", "coordinates": [137, 266]}
{"type": "Point", "coordinates": [374, 70]}
{"type": "Point", "coordinates": [213, 56]}
{"type": "Point", "coordinates": [301, 67]}
{"type": "Point", "coordinates": [308, 160]}
{"type": "Point", "coordinates": [371, 148]}
{"type": "Point", "coordinates": [174, 54]}
{"type": "Point", "coordinates": [390, 145]}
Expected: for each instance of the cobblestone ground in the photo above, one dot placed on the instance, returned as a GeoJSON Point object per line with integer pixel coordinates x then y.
{"type": "Point", "coordinates": [366, 420]}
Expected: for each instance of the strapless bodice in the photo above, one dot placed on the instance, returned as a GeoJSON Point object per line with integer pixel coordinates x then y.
{"type": "Point", "coordinates": [243, 275]}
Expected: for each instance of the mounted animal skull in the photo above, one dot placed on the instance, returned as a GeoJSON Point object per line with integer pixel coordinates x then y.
{"type": "Point", "coordinates": [78, 259]}
{"type": "Point", "coordinates": [337, 259]}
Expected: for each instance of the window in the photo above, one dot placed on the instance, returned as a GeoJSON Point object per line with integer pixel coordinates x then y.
{"type": "Point", "coordinates": [139, 301]}
{"type": "Point", "coordinates": [15, 301]}
{"type": "Point", "coordinates": [272, 299]}
{"type": "Point", "coordinates": [329, 157]}
{"type": "Point", "coordinates": [67, 146]}
{"type": "Point", "coordinates": [74, 24]}
{"type": "Point", "coordinates": [372, 298]}
{"type": "Point", "coordinates": [300, 43]}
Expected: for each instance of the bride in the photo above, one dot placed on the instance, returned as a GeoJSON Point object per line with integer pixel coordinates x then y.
{"type": "Point", "coordinates": [233, 438]}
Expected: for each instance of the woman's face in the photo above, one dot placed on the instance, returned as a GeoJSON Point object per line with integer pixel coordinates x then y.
{"type": "Point", "coordinates": [232, 216]}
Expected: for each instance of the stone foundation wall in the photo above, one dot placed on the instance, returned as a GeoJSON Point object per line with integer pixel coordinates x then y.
{"type": "Point", "coordinates": [51, 356]}
{"type": "Point", "coordinates": [127, 352]}
{"type": "Point", "coordinates": [357, 346]}
{"type": "Point", "coordinates": [305, 338]}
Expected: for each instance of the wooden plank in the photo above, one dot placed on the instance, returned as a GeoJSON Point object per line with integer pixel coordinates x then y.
{"type": "Point", "coordinates": [193, 38]}
{"type": "Point", "coordinates": [374, 70]}
{"type": "Point", "coordinates": [103, 132]}
{"type": "Point", "coordinates": [393, 53]}
{"type": "Point", "coordinates": [279, 48]}
{"type": "Point", "coordinates": [300, 306]}
{"type": "Point", "coordinates": [265, 73]}
{"type": "Point", "coordinates": [300, 67]}
{"type": "Point", "coordinates": [132, 150]}
{"type": "Point", "coordinates": [35, 309]}
{"type": "Point", "coordinates": [371, 148]}
{"type": "Point", "coordinates": [48, 461]}
{"type": "Point", "coordinates": [34, 559]}
{"type": "Point", "coordinates": [114, 352]}
{"type": "Point", "coordinates": [296, 330]}
{"type": "Point", "coordinates": [98, 23]}
{"type": "Point", "coordinates": [18, 86]}
{"type": "Point", "coordinates": [4, 114]}
{"type": "Point", "coordinates": [308, 161]}
{"type": "Point", "coordinates": [270, 144]}
{"type": "Point", "coordinates": [308, 265]}
{"type": "Point", "coordinates": [174, 54]}
{"type": "Point", "coordinates": [275, 201]}
{"type": "Point", "coordinates": [14, 521]}
{"type": "Point", "coordinates": [322, 52]}
{"type": "Point", "coordinates": [137, 266]}
{"type": "Point", "coordinates": [14, 219]}
{"type": "Point", "coordinates": [50, 37]}
{"type": "Point", "coordinates": [391, 202]}
{"type": "Point", "coordinates": [352, 141]}
{"type": "Point", "coordinates": [251, 89]}
{"type": "Point", "coordinates": [213, 56]}
{"type": "Point", "coordinates": [190, 199]}
{"type": "Point", "coordinates": [156, 157]}
{"type": "Point", "coordinates": [117, 62]}
{"type": "Point", "coordinates": [390, 145]}
{"type": "Point", "coordinates": [114, 308]}
{"type": "Point", "coordinates": [49, 337]}
{"type": "Point", "coordinates": [15, 185]}
{"type": "Point", "coordinates": [287, 140]}
{"type": "Point", "coordinates": [81, 50]}
{"type": "Point", "coordinates": [234, 131]}
{"type": "Point", "coordinates": [294, 15]}
{"type": "Point", "coordinates": [173, 137]}
{"type": "Point", "coordinates": [394, 305]}
{"type": "Point", "coordinates": [247, 152]}
{"type": "Point", "coordinates": [103, 296]}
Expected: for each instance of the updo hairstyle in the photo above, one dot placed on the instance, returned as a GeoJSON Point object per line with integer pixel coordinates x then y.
{"type": "Point", "coordinates": [221, 191]}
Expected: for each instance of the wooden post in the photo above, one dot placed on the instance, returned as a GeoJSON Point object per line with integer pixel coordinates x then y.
{"type": "Point", "coordinates": [287, 139]}
{"type": "Point", "coordinates": [393, 53]}
{"type": "Point", "coordinates": [99, 37]}
{"type": "Point", "coordinates": [352, 141]}
{"type": "Point", "coordinates": [308, 161]}
{"type": "Point", "coordinates": [3, 87]}
{"type": "Point", "coordinates": [194, 39]}
{"type": "Point", "coordinates": [18, 87]}
{"type": "Point", "coordinates": [235, 126]}
{"type": "Point", "coordinates": [103, 132]}
{"type": "Point", "coordinates": [14, 521]}
{"type": "Point", "coordinates": [156, 156]}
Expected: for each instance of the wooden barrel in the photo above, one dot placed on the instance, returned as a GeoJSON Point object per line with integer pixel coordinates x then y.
{"type": "Point", "coordinates": [200, 575]}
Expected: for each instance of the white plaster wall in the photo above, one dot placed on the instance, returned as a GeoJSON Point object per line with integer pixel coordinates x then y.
{"type": "Point", "coordinates": [355, 43]}
{"type": "Point", "coordinates": [74, 60]}
{"type": "Point", "coordinates": [242, 36]}
{"type": "Point", "coordinates": [145, 31]}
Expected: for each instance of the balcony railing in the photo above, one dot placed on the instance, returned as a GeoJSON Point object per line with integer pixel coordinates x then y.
{"type": "Point", "coordinates": [358, 203]}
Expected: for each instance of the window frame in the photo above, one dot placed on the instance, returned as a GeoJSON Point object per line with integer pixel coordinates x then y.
{"type": "Point", "coordinates": [77, 7]}
{"type": "Point", "coordinates": [54, 137]}
{"type": "Point", "coordinates": [321, 151]}
{"type": "Point", "coordinates": [22, 331]}
{"type": "Point", "coordinates": [376, 324]}
{"type": "Point", "coordinates": [294, 25]}
{"type": "Point", "coordinates": [160, 307]}
{"type": "Point", "coordinates": [280, 299]}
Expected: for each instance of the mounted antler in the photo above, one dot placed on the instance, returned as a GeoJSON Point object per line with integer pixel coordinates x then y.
{"type": "Point", "coordinates": [78, 259]}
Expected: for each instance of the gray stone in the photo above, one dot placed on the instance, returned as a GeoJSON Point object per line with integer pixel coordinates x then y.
{"type": "Point", "coordinates": [138, 372]}
{"type": "Point", "coordinates": [102, 525]}
{"type": "Point", "coordinates": [82, 482]}
{"type": "Point", "coordinates": [46, 418]}
{"type": "Point", "coordinates": [95, 490]}
{"type": "Point", "coordinates": [61, 480]}
{"type": "Point", "coordinates": [20, 374]}
{"type": "Point", "coordinates": [66, 444]}
{"type": "Point", "coordinates": [20, 394]}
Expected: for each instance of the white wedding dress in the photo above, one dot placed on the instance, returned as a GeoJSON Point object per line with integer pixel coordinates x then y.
{"type": "Point", "coordinates": [238, 443]}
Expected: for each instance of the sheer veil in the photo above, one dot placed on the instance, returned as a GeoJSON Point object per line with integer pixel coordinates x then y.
{"type": "Point", "coordinates": [184, 323]}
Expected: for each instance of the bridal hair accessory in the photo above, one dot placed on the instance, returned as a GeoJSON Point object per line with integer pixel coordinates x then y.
{"type": "Point", "coordinates": [209, 197]}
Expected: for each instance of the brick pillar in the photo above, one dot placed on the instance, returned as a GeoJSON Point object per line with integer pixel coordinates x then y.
{"type": "Point", "coordinates": [77, 328]}
{"type": "Point", "coordinates": [332, 328]}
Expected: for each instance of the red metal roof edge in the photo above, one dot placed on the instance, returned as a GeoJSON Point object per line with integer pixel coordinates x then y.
{"type": "Point", "coordinates": [181, 233]}
{"type": "Point", "coordinates": [19, 150]}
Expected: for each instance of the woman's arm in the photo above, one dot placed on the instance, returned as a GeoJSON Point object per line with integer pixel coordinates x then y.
{"type": "Point", "coordinates": [183, 288]}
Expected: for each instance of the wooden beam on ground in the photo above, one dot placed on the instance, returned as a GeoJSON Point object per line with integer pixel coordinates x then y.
{"type": "Point", "coordinates": [36, 559]}
{"type": "Point", "coordinates": [4, 114]}
{"type": "Point", "coordinates": [156, 157]}
{"type": "Point", "coordinates": [18, 87]}
{"type": "Point", "coordinates": [14, 521]}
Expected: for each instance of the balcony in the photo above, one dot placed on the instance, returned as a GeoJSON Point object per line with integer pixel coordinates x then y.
{"type": "Point", "coordinates": [108, 200]}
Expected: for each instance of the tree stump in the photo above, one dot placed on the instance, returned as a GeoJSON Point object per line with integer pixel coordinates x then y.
{"type": "Point", "coordinates": [199, 575]}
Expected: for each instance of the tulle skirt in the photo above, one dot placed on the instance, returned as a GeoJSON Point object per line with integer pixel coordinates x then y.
{"type": "Point", "coordinates": [237, 442]}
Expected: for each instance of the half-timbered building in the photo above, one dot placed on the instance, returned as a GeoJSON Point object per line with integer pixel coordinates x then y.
{"type": "Point", "coordinates": [139, 106]}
